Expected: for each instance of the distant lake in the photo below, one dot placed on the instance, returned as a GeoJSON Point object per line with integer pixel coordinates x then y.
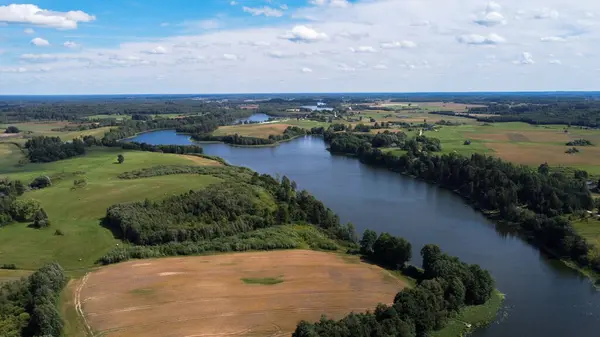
{"type": "Point", "coordinates": [169, 137]}
{"type": "Point", "coordinates": [316, 108]}
{"type": "Point", "coordinates": [255, 118]}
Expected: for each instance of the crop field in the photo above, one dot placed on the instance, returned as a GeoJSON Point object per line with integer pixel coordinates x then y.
{"type": "Point", "coordinates": [12, 275]}
{"type": "Point", "coordinates": [77, 211]}
{"type": "Point", "coordinates": [263, 130]}
{"type": "Point", "coordinates": [249, 294]}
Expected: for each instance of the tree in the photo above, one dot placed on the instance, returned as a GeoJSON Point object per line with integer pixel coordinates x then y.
{"type": "Point", "coordinates": [24, 209]}
{"type": "Point", "coordinates": [40, 219]}
{"type": "Point", "coordinates": [392, 251]}
{"type": "Point", "coordinates": [120, 159]}
{"type": "Point", "coordinates": [368, 240]}
{"type": "Point", "coordinates": [41, 182]}
{"type": "Point", "coordinates": [12, 129]}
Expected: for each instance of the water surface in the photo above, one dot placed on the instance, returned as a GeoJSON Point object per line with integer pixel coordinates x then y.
{"type": "Point", "coordinates": [543, 298]}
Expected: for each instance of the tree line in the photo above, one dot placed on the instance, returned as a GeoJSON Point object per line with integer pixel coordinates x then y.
{"type": "Point", "coordinates": [445, 286]}
{"type": "Point", "coordinates": [221, 210]}
{"type": "Point", "coordinates": [290, 132]}
{"type": "Point", "coordinates": [533, 201]}
{"type": "Point", "coordinates": [28, 307]}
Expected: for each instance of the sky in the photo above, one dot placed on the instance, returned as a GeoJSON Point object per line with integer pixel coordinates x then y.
{"type": "Point", "coordinates": [267, 46]}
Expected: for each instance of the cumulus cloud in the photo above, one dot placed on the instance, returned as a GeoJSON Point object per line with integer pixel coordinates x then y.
{"type": "Point", "coordinates": [305, 34]}
{"type": "Point", "coordinates": [476, 39]}
{"type": "Point", "coordinates": [524, 58]}
{"type": "Point", "coordinates": [266, 11]}
{"type": "Point", "coordinates": [306, 70]}
{"type": "Point", "coordinates": [29, 31]}
{"type": "Point", "coordinates": [32, 14]}
{"type": "Point", "coordinates": [398, 44]}
{"type": "Point", "coordinates": [363, 49]}
{"type": "Point", "coordinates": [490, 19]}
{"type": "Point", "coordinates": [40, 42]}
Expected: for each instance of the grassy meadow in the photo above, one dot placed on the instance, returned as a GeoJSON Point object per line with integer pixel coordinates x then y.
{"type": "Point", "coordinates": [32, 129]}
{"type": "Point", "coordinates": [77, 211]}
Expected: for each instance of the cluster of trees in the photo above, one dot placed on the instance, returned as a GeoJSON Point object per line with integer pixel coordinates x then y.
{"type": "Point", "coordinates": [271, 238]}
{"type": "Point", "coordinates": [392, 252]}
{"type": "Point", "coordinates": [445, 286]}
{"type": "Point", "coordinates": [12, 129]}
{"type": "Point", "coordinates": [234, 139]}
{"type": "Point", "coordinates": [179, 149]}
{"type": "Point", "coordinates": [44, 149]}
{"type": "Point", "coordinates": [221, 210]}
{"type": "Point", "coordinates": [580, 142]}
{"type": "Point", "coordinates": [532, 200]}
{"type": "Point", "coordinates": [357, 144]}
{"type": "Point", "coordinates": [28, 307]}
{"type": "Point", "coordinates": [572, 150]}
{"type": "Point", "coordinates": [9, 191]}
{"type": "Point", "coordinates": [289, 133]}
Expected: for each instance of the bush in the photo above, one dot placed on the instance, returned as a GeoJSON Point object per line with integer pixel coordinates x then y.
{"type": "Point", "coordinates": [12, 129]}
{"type": "Point", "coordinates": [79, 183]}
{"type": "Point", "coordinates": [58, 232]}
{"type": "Point", "coordinates": [40, 219]}
{"type": "Point", "coordinates": [41, 182]}
{"type": "Point", "coordinates": [11, 266]}
{"type": "Point", "coordinates": [24, 209]}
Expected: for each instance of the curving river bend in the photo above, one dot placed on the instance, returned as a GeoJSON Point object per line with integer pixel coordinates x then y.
{"type": "Point", "coordinates": [543, 297]}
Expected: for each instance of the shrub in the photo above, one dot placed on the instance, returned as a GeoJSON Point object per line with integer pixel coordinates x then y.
{"type": "Point", "coordinates": [12, 129]}
{"type": "Point", "coordinates": [41, 182]}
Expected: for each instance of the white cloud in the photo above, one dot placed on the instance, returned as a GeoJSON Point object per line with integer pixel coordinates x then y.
{"type": "Point", "coordinates": [302, 33]}
{"type": "Point", "coordinates": [156, 50]}
{"type": "Point", "coordinates": [70, 44]}
{"type": "Point", "coordinates": [165, 24]}
{"type": "Point", "coordinates": [345, 67]}
{"type": "Point", "coordinates": [32, 14]}
{"type": "Point", "coordinates": [266, 11]}
{"type": "Point", "coordinates": [525, 58]}
{"type": "Point", "coordinates": [207, 24]}
{"type": "Point", "coordinates": [233, 3]}
{"type": "Point", "coordinates": [29, 31]}
{"type": "Point", "coordinates": [13, 70]}
{"type": "Point", "coordinates": [331, 3]}
{"type": "Point", "coordinates": [380, 67]}
{"type": "Point", "coordinates": [284, 7]}
{"type": "Point", "coordinates": [279, 54]}
{"type": "Point", "coordinates": [552, 39]}
{"type": "Point", "coordinates": [490, 19]}
{"type": "Point", "coordinates": [306, 70]}
{"type": "Point", "coordinates": [40, 42]}
{"type": "Point", "coordinates": [230, 57]}
{"type": "Point", "coordinates": [37, 57]}
{"type": "Point", "coordinates": [545, 13]}
{"type": "Point", "coordinates": [398, 44]}
{"type": "Point", "coordinates": [363, 49]}
{"type": "Point", "coordinates": [554, 61]}
{"type": "Point", "coordinates": [490, 39]}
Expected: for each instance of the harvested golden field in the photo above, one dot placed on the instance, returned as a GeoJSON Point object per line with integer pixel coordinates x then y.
{"type": "Point", "coordinates": [244, 294]}
{"type": "Point", "coordinates": [200, 161]}
{"type": "Point", "coordinates": [263, 130]}
{"type": "Point", "coordinates": [532, 154]}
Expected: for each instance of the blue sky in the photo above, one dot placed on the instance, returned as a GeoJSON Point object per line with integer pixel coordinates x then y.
{"type": "Point", "coordinates": [209, 46]}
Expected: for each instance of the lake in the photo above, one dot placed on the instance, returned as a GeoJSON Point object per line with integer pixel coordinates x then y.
{"type": "Point", "coordinates": [543, 297]}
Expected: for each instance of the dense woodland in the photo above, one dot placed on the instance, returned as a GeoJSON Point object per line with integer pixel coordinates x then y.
{"type": "Point", "coordinates": [533, 201]}
{"type": "Point", "coordinates": [29, 307]}
{"type": "Point", "coordinates": [445, 286]}
{"type": "Point", "coordinates": [9, 191]}
{"type": "Point", "coordinates": [48, 149]}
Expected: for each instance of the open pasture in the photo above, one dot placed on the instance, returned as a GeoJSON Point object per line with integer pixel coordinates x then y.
{"type": "Point", "coordinates": [77, 211]}
{"type": "Point", "coordinates": [262, 130]}
{"type": "Point", "coordinates": [211, 295]}
{"type": "Point", "coordinates": [48, 129]}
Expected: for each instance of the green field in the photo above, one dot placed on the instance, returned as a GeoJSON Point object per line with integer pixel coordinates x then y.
{"type": "Point", "coordinates": [472, 317]}
{"type": "Point", "coordinates": [77, 212]}
{"type": "Point", "coordinates": [31, 129]}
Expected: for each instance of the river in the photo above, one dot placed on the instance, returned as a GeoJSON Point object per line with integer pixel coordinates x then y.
{"type": "Point", "coordinates": [543, 297]}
